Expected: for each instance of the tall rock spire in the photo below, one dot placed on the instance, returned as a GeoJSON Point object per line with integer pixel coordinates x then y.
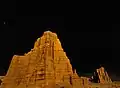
{"type": "Point", "coordinates": [45, 65]}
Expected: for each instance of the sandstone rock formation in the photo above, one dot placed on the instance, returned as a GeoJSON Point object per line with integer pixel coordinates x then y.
{"type": "Point", "coordinates": [103, 76]}
{"type": "Point", "coordinates": [1, 79]}
{"type": "Point", "coordinates": [46, 66]}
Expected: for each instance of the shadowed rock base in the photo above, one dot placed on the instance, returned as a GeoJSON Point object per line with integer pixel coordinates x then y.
{"type": "Point", "coordinates": [47, 66]}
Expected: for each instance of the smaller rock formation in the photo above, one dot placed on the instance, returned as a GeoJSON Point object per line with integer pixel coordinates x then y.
{"type": "Point", "coordinates": [79, 82]}
{"type": "Point", "coordinates": [101, 76]}
{"type": "Point", "coordinates": [1, 79]}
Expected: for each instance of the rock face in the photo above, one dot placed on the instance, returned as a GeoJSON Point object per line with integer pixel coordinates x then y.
{"type": "Point", "coordinates": [1, 78]}
{"type": "Point", "coordinates": [46, 66]}
{"type": "Point", "coordinates": [103, 76]}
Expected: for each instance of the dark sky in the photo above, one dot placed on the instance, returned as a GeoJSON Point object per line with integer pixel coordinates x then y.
{"type": "Point", "coordinates": [88, 40]}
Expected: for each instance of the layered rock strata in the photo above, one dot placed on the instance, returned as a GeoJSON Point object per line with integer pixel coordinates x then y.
{"type": "Point", "coordinates": [47, 66]}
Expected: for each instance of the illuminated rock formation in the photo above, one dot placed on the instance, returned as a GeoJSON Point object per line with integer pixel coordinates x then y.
{"type": "Point", "coordinates": [1, 78]}
{"type": "Point", "coordinates": [103, 76]}
{"type": "Point", "coordinates": [47, 66]}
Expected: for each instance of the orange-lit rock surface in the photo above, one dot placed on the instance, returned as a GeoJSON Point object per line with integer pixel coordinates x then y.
{"type": "Point", "coordinates": [103, 76]}
{"type": "Point", "coordinates": [46, 66]}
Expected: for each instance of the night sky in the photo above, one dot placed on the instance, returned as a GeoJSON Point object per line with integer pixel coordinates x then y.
{"type": "Point", "coordinates": [89, 41]}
